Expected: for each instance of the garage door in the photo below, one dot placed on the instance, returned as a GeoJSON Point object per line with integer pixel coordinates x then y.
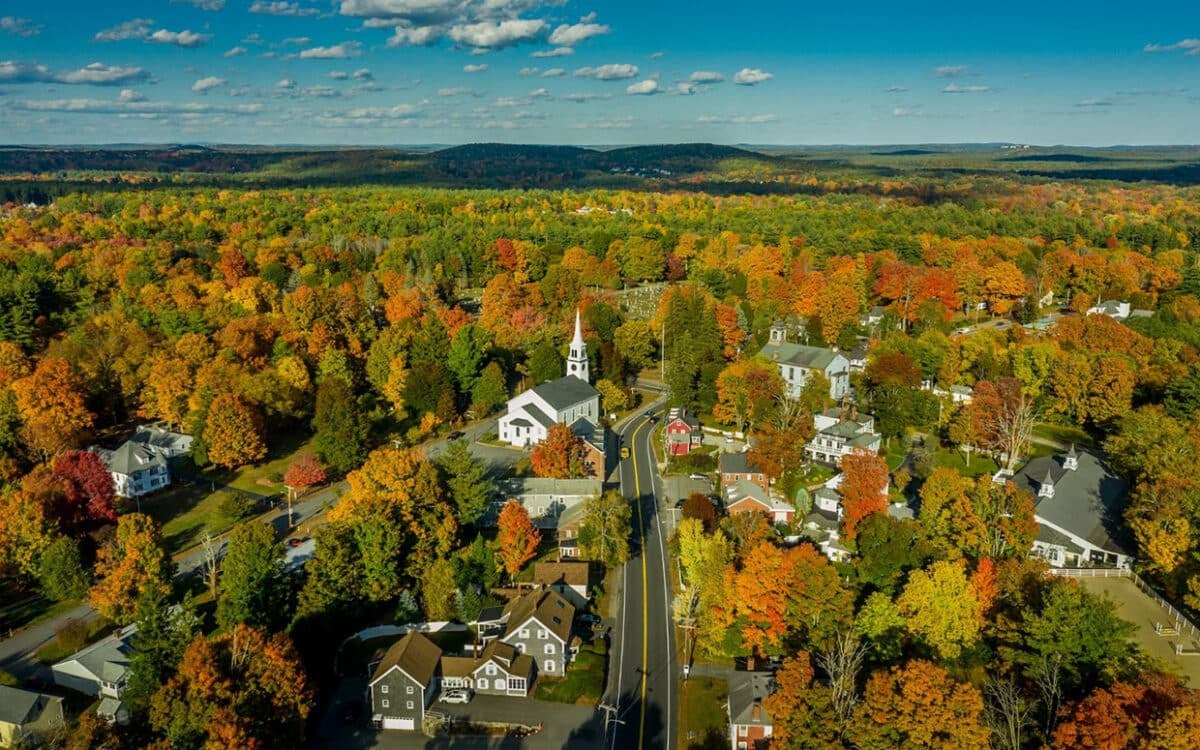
{"type": "Point", "coordinates": [392, 723]}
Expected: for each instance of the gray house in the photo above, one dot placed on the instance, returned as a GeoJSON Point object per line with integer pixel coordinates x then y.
{"type": "Point", "coordinates": [537, 624]}
{"type": "Point", "coordinates": [797, 363]}
{"type": "Point", "coordinates": [750, 726]}
{"type": "Point", "coordinates": [1078, 505]}
{"type": "Point", "coordinates": [548, 501]}
{"type": "Point", "coordinates": [404, 683]}
{"type": "Point", "coordinates": [100, 670]}
{"type": "Point", "coordinates": [499, 670]}
{"type": "Point", "coordinates": [27, 716]}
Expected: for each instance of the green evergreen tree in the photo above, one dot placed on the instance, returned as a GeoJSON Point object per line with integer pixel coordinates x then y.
{"type": "Point", "coordinates": [466, 480]}
{"type": "Point", "coordinates": [342, 429]}
{"type": "Point", "coordinates": [490, 390]}
{"type": "Point", "coordinates": [545, 363]}
{"type": "Point", "coordinates": [60, 571]}
{"type": "Point", "coordinates": [467, 352]}
{"type": "Point", "coordinates": [253, 588]}
{"type": "Point", "coordinates": [164, 630]}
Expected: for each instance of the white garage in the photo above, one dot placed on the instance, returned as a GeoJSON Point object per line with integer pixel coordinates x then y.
{"type": "Point", "coordinates": [390, 722]}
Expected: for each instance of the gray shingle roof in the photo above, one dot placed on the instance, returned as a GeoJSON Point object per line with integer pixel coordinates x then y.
{"type": "Point", "coordinates": [107, 659]}
{"type": "Point", "coordinates": [798, 355]}
{"type": "Point", "coordinates": [555, 613]}
{"type": "Point", "coordinates": [747, 690]}
{"type": "Point", "coordinates": [736, 463]}
{"type": "Point", "coordinates": [16, 704]}
{"type": "Point", "coordinates": [544, 419]}
{"type": "Point", "coordinates": [131, 458]}
{"type": "Point", "coordinates": [566, 392]}
{"type": "Point", "coordinates": [1087, 501]}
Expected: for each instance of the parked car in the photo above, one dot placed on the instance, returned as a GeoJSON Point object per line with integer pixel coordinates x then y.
{"type": "Point", "coordinates": [702, 477]}
{"type": "Point", "coordinates": [650, 416]}
{"type": "Point", "coordinates": [588, 618]}
{"type": "Point", "coordinates": [295, 542]}
{"type": "Point", "coordinates": [455, 435]}
{"type": "Point", "coordinates": [456, 695]}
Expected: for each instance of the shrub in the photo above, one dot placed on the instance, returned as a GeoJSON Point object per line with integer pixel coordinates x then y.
{"type": "Point", "coordinates": [237, 505]}
{"type": "Point", "coordinates": [72, 635]}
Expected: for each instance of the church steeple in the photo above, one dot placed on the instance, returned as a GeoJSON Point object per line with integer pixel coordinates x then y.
{"type": "Point", "coordinates": [577, 358]}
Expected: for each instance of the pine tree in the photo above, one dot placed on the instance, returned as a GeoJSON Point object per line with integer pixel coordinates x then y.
{"type": "Point", "coordinates": [253, 590]}
{"type": "Point", "coordinates": [341, 439]}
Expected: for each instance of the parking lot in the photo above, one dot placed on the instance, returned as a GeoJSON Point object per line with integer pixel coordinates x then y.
{"type": "Point", "coordinates": [562, 725]}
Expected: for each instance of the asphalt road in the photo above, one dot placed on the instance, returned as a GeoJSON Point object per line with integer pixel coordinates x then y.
{"type": "Point", "coordinates": [643, 678]}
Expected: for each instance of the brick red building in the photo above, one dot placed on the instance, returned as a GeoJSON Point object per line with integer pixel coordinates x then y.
{"type": "Point", "coordinates": [682, 433]}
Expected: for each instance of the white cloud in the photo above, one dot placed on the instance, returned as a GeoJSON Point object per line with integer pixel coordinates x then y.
{"type": "Point", "coordinates": [896, 89]}
{"type": "Point", "coordinates": [129, 95]}
{"type": "Point", "coordinates": [954, 88]}
{"type": "Point", "coordinates": [706, 76]}
{"type": "Point", "coordinates": [556, 52]}
{"type": "Point", "coordinates": [616, 123]}
{"type": "Point", "coordinates": [572, 34]}
{"type": "Point", "coordinates": [554, 73]}
{"type": "Point", "coordinates": [736, 119]}
{"type": "Point", "coordinates": [254, 38]}
{"type": "Point", "coordinates": [183, 38]}
{"type": "Point", "coordinates": [751, 76]}
{"type": "Point", "coordinates": [949, 71]}
{"type": "Point", "coordinates": [137, 28]}
{"type": "Point", "coordinates": [685, 88]}
{"type": "Point", "coordinates": [281, 8]}
{"type": "Point", "coordinates": [416, 36]}
{"type": "Point", "coordinates": [236, 51]}
{"type": "Point", "coordinates": [656, 55]}
{"type": "Point", "coordinates": [1190, 47]}
{"type": "Point", "coordinates": [610, 72]}
{"type": "Point", "coordinates": [456, 91]}
{"type": "Point", "coordinates": [475, 68]}
{"type": "Point", "coordinates": [285, 83]}
{"type": "Point", "coordinates": [497, 34]}
{"type": "Point", "coordinates": [140, 106]}
{"type": "Point", "coordinates": [338, 75]}
{"type": "Point", "coordinates": [363, 74]}
{"type": "Point", "coordinates": [336, 52]}
{"type": "Point", "coordinates": [204, 84]}
{"type": "Point", "coordinates": [648, 86]}
{"type": "Point", "coordinates": [298, 41]}
{"type": "Point", "coordinates": [1098, 102]}
{"type": "Point", "coordinates": [581, 98]}
{"type": "Point", "coordinates": [20, 26]}
{"type": "Point", "coordinates": [320, 91]}
{"type": "Point", "coordinates": [539, 93]}
{"type": "Point", "coordinates": [213, 5]}
{"type": "Point", "coordinates": [528, 71]}
{"type": "Point", "coordinates": [901, 112]}
{"type": "Point", "coordinates": [95, 74]}
{"type": "Point", "coordinates": [508, 101]}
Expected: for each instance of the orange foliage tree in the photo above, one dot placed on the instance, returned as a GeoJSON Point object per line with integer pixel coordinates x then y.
{"type": "Point", "coordinates": [918, 705]}
{"type": "Point", "coordinates": [863, 489]}
{"type": "Point", "coordinates": [800, 709]}
{"type": "Point", "coordinates": [1155, 709]}
{"type": "Point", "coordinates": [746, 392]}
{"type": "Point", "coordinates": [562, 455]}
{"type": "Point", "coordinates": [245, 687]}
{"type": "Point", "coordinates": [234, 432]}
{"type": "Point", "coordinates": [131, 563]}
{"type": "Point", "coordinates": [517, 539]}
{"type": "Point", "coordinates": [51, 406]}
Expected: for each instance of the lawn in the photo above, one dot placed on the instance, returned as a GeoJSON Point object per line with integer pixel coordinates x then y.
{"type": "Point", "coordinates": [29, 608]}
{"type": "Point", "coordinates": [1065, 434]}
{"type": "Point", "coordinates": [584, 683]}
{"type": "Point", "coordinates": [895, 453]}
{"type": "Point", "coordinates": [955, 459]}
{"type": "Point", "coordinates": [701, 713]}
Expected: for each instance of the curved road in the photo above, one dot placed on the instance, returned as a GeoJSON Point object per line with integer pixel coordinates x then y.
{"type": "Point", "coordinates": [642, 683]}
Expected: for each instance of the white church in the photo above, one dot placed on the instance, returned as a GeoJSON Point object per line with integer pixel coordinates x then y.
{"type": "Point", "coordinates": [566, 400]}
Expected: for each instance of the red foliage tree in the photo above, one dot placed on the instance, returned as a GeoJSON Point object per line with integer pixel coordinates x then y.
{"type": "Point", "coordinates": [863, 488]}
{"type": "Point", "coordinates": [893, 368]}
{"type": "Point", "coordinates": [304, 472]}
{"type": "Point", "coordinates": [88, 487]}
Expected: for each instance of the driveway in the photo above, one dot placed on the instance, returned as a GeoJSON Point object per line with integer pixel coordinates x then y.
{"type": "Point", "coordinates": [563, 725]}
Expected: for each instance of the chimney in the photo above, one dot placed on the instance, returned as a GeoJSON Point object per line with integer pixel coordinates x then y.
{"type": "Point", "coordinates": [756, 711]}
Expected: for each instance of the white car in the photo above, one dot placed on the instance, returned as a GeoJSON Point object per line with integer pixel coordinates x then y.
{"type": "Point", "coordinates": [456, 695]}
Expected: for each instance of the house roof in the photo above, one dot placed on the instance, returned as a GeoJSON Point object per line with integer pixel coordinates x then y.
{"type": "Point", "coordinates": [519, 486]}
{"type": "Point", "coordinates": [589, 433]}
{"type": "Point", "coordinates": [737, 463]}
{"type": "Point", "coordinates": [541, 417]}
{"type": "Point", "coordinates": [549, 608]}
{"type": "Point", "coordinates": [131, 458]}
{"type": "Point", "coordinates": [744, 489]}
{"type": "Point", "coordinates": [568, 572]}
{"type": "Point", "coordinates": [415, 654]}
{"type": "Point", "coordinates": [684, 416]}
{"type": "Point", "coordinates": [157, 437]}
{"type": "Point", "coordinates": [106, 659]}
{"type": "Point", "coordinates": [520, 422]}
{"type": "Point", "coordinates": [503, 655]}
{"type": "Point", "coordinates": [16, 705]}
{"type": "Point", "coordinates": [798, 355]}
{"type": "Point", "coordinates": [1087, 502]}
{"type": "Point", "coordinates": [747, 690]}
{"type": "Point", "coordinates": [109, 707]}
{"type": "Point", "coordinates": [565, 392]}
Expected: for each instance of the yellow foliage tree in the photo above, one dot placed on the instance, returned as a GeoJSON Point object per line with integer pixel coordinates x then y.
{"type": "Point", "coordinates": [131, 563]}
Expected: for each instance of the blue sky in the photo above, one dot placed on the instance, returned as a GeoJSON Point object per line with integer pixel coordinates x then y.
{"type": "Point", "coordinates": [564, 71]}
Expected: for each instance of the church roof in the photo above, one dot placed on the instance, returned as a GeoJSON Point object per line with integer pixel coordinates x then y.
{"type": "Point", "coordinates": [565, 392]}
{"type": "Point", "coordinates": [544, 419]}
{"type": "Point", "coordinates": [798, 355]}
{"type": "Point", "coordinates": [1087, 501]}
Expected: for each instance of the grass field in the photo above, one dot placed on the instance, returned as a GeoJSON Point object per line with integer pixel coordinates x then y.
{"type": "Point", "coordinates": [701, 718]}
{"type": "Point", "coordinates": [957, 460]}
{"type": "Point", "coordinates": [55, 651]}
{"type": "Point", "coordinates": [1065, 434]}
{"type": "Point", "coordinates": [584, 683]}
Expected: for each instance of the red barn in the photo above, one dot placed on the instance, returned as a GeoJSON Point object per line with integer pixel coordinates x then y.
{"type": "Point", "coordinates": [682, 433]}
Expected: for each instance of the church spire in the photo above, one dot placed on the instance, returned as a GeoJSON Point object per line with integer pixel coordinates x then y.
{"type": "Point", "coordinates": [577, 358]}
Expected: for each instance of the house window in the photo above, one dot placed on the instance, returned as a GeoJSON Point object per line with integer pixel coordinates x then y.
{"type": "Point", "coordinates": [542, 635]}
{"type": "Point", "coordinates": [384, 703]}
{"type": "Point", "coordinates": [524, 633]}
{"type": "Point", "coordinates": [516, 683]}
{"type": "Point", "coordinates": [410, 705]}
{"type": "Point", "coordinates": [409, 690]}
{"type": "Point", "coordinates": [383, 689]}
{"type": "Point", "coordinates": [491, 669]}
{"type": "Point", "coordinates": [549, 665]}
{"type": "Point", "coordinates": [741, 730]}
{"type": "Point", "coordinates": [482, 683]}
{"type": "Point", "coordinates": [549, 648]}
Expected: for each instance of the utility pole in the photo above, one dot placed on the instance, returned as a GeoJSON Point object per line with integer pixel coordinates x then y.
{"type": "Point", "coordinates": [610, 716]}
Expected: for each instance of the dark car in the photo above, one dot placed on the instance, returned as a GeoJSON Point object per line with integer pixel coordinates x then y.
{"type": "Point", "coordinates": [680, 502]}
{"type": "Point", "coordinates": [589, 619]}
{"type": "Point", "coordinates": [650, 416]}
{"type": "Point", "coordinates": [455, 435]}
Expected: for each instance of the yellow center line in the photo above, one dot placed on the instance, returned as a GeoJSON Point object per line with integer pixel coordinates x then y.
{"type": "Point", "coordinates": [637, 491]}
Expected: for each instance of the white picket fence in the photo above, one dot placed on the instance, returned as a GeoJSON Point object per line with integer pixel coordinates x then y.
{"type": "Point", "coordinates": [1180, 621]}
